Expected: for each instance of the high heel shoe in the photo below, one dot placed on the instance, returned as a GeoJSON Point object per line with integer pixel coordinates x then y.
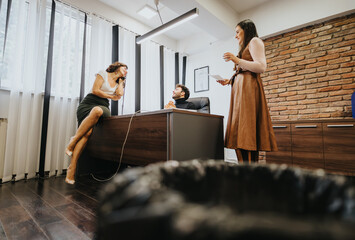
{"type": "Point", "coordinates": [67, 179]}
{"type": "Point", "coordinates": [69, 153]}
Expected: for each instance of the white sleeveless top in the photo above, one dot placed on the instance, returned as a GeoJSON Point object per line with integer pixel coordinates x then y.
{"type": "Point", "coordinates": [106, 88]}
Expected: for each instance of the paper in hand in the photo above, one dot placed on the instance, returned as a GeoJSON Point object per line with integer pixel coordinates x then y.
{"type": "Point", "coordinates": [217, 77]}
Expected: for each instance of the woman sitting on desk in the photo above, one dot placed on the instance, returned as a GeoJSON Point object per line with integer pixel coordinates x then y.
{"type": "Point", "coordinates": [108, 84]}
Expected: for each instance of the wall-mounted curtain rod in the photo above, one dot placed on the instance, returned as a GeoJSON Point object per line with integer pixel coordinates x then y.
{"type": "Point", "coordinates": [104, 18]}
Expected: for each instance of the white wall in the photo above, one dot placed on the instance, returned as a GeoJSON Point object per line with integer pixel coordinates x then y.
{"type": "Point", "coordinates": [219, 95]}
{"type": "Point", "coordinates": [274, 17]}
{"type": "Point", "coordinates": [4, 103]}
{"type": "Point", "coordinates": [221, 10]}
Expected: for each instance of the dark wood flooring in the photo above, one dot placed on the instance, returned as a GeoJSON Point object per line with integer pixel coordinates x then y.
{"type": "Point", "coordinates": [49, 209]}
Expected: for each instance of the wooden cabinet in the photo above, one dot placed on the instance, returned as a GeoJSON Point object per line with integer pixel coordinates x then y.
{"type": "Point", "coordinates": [307, 145]}
{"type": "Point", "coordinates": [326, 144]}
{"type": "Point", "coordinates": [339, 146]}
{"type": "Point", "coordinates": [283, 138]}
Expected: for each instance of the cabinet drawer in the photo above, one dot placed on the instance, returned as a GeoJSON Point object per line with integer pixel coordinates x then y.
{"type": "Point", "coordinates": [339, 146]}
{"type": "Point", "coordinates": [307, 145]}
{"type": "Point", "coordinates": [283, 139]}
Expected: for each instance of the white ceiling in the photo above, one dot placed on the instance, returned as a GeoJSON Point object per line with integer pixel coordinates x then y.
{"type": "Point", "coordinates": [208, 22]}
{"type": "Point", "coordinates": [241, 6]}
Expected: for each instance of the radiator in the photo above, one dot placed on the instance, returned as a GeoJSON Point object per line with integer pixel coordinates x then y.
{"type": "Point", "coordinates": [3, 130]}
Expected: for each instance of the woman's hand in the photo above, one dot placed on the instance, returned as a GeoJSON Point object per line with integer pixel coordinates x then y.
{"type": "Point", "coordinates": [115, 97]}
{"type": "Point", "coordinates": [224, 82]}
{"type": "Point", "coordinates": [230, 56]}
{"type": "Point", "coordinates": [122, 81]}
{"type": "Point", "coordinates": [120, 89]}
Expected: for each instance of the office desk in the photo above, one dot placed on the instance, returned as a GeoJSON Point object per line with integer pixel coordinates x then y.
{"type": "Point", "coordinates": [169, 134]}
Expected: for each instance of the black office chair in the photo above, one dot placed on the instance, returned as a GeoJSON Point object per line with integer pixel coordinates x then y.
{"type": "Point", "coordinates": [202, 104]}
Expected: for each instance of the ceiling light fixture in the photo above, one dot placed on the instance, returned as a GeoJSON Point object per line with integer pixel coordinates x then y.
{"type": "Point", "coordinates": [147, 12]}
{"type": "Point", "coordinates": [169, 25]}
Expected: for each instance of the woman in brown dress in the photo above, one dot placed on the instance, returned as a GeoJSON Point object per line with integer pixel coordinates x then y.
{"type": "Point", "coordinates": [249, 129]}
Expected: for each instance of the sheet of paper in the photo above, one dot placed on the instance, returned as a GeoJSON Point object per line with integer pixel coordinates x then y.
{"type": "Point", "coordinates": [217, 77]}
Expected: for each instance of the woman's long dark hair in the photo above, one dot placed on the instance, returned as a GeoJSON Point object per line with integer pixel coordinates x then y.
{"type": "Point", "coordinates": [114, 67]}
{"type": "Point", "coordinates": [249, 32]}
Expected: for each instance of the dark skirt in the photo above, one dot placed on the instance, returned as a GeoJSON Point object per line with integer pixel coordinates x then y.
{"type": "Point", "coordinates": [88, 103]}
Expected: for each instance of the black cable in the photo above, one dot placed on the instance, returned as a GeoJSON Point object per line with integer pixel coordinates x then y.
{"type": "Point", "coordinates": [124, 143]}
{"type": "Point", "coordinates": [123, 146]}
{"type": "Point", "coordinates": [161, 20]}
{"type": "Point", "coordinates": [124, 93]}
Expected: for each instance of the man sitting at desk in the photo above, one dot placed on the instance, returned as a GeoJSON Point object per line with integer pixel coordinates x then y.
{"type": "Point", "coordinates": [180, 95]}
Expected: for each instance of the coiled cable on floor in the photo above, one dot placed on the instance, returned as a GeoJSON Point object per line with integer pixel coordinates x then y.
{"type": "Point", "coordinates": [123, 146]}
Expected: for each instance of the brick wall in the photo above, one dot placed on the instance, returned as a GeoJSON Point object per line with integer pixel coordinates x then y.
{"type": "Point", "coordinates": [310, 72]}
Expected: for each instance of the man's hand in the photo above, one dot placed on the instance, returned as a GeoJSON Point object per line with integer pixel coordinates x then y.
{"type": "Point", "coordinates": [170, 105]}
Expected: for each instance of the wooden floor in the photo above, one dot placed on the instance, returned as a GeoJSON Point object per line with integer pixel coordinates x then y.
{"type": "Point", "coordinates": [49, 209]}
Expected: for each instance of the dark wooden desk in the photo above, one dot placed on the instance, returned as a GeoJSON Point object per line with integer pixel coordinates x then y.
{"type": "Point", "coordinates": [169, 134]}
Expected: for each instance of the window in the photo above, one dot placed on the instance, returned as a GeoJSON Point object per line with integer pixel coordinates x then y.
{"type": "Point", "coordinates": [67, 51]}
{"type": "Point", "coordinates": [22, 46]}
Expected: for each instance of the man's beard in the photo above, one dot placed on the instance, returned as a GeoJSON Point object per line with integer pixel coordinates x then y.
{"type": "Point", "coordinates": [176, 97]}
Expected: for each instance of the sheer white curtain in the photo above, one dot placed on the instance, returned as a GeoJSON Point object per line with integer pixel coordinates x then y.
{"type": "Point", "coordinates": [3, 13]}
{"type": "Point", "coordinates": [100, 52]}
{"type": "Point", "coordinates": [65, 86]}
{"type": "Point", "coordinates": [169, 74]}
{"type": "Point", "coordinates": [150, 85]}
{"type": "Point", "coordinates": [127, 50]}
{"type": "Point", "coordinates": [22, 72]}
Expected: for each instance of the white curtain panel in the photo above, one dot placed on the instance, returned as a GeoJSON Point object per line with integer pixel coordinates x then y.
{"type": "Point", "coordinates": [3, 12]}
{"type": "Point", "coordinates": [100, 52]}
{"type": "Point", "coordinates": [23, 72]}
{"type": "Point", "coordinates": [127, 50]}
{"type": "Point", "coordinates": [65, 86]}
{"type": "Point", "coordinates": [169, 74]}
{"type": "Point", "coordinates": [150, 77]}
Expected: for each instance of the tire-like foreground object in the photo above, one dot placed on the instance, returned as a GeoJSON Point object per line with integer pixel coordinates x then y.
{"type": "Point", "coordinates": [212, 199]}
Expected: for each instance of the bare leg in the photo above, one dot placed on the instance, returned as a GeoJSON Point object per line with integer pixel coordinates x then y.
{"type": "Point", "coordinates": [84, 127]}
{"type": "Point", "coordinates": [79, 147]}
{"type": "Point", "coordinates": [251, 156]}
{"type": "Point", "coordinates": [255, 156]}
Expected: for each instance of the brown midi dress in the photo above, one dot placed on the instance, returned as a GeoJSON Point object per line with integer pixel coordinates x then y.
{"type": "Point", "coordinates": [249, 124]}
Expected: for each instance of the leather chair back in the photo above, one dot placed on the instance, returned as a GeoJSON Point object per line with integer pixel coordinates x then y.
{"type": "Point", "coordinates": [202, 104]}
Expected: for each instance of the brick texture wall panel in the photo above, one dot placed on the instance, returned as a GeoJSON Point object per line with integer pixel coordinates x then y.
{"type": "Point", "coordinates": [311, 72]}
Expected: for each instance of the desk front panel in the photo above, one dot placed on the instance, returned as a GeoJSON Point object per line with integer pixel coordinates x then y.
{"type": "Point", "coordinates": [146, 142]}
{"type": "Point", "coordinates": [196, 137]}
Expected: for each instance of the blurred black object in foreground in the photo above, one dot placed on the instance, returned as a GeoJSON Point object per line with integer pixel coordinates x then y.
{"type": "Point", "coordinates": [218, 200]}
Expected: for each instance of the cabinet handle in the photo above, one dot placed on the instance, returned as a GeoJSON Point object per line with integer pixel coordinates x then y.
{"type": "Point", "coordinates": [344, 125]}
{"type": "Point", "coordinates": [279, 126]}
{"type": "Point", "coordinates": [306, 126]}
